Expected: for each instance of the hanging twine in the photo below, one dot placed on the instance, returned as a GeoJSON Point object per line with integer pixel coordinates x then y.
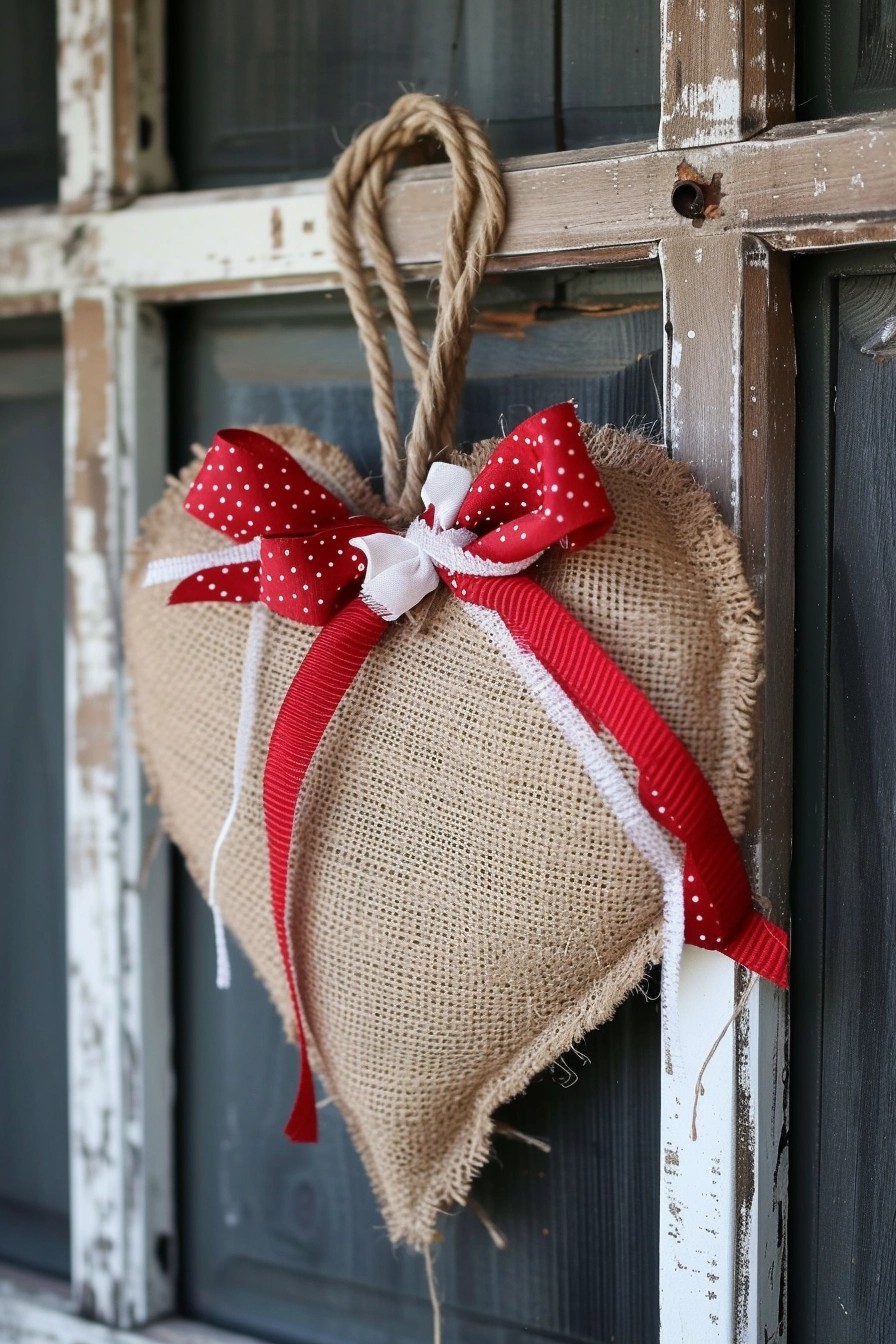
{"type": "Point", "coordinates": [357, 188]}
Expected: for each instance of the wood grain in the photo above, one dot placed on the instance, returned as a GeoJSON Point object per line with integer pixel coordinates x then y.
{"type": "Point", "coordinates": [118, 1018]}
{"type": "Point", "coordinates": [729, 412]}
{"type": "Point", "coordinates": [110, 100]}
{"type": "Point", "coordinates": [727, 70]}
{"type": "Point", "coordinates": [801, 188]}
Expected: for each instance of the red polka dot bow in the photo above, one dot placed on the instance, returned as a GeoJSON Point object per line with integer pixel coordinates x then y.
{"type": "Point", "coordinates": [302, 554]}
{"type": "Point", "coordinates": [539, 488]}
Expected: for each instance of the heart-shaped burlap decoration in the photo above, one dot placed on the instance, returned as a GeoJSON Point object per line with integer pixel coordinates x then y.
{"type": "Point", "coordinates": [466, 904]}
{"type": "Point", "coordinates": [465, 869]}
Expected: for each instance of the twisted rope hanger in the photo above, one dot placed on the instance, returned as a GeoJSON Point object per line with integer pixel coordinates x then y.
{"type": "Point", "coordinates": [356, 196]}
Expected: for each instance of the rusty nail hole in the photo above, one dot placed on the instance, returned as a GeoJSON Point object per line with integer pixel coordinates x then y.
{"type": "Point", "coordinates": [688, 200]}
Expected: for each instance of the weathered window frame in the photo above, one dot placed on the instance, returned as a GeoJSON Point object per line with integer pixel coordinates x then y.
{"type": "Point", "coordinates": [106, 257]}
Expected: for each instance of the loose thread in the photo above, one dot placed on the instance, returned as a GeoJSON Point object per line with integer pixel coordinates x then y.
{"type": "Point", "coordinates": [508, 1132]}
{"type": "Point", "coordinates": [698, 1086]}
{"type": "Point", "coordinates": [245, 728]}
{"type": "Point", "coordinates": [433, 1296]}
{"type": "Point", "coordinates": [497, 1236]}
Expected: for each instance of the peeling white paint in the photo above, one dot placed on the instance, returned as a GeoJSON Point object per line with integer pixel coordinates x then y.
{"type": "Point", "coordinates": [558, 205]}
{"type": "Point", "coordinates": [713, 108]}
{"type": "Point", "coordinates": [697, 1293]}
{"type": "Point", "coordinates": [84, 90]}
{"type": "Point", "coordinates": [117, 949]}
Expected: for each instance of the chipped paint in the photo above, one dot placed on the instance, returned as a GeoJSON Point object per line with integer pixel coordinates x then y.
{"type": "Point", "coordinates": [109, 83]}
{"type": "Point", "coordinates": [277, 229]}
{"type": "Point", "coordinates": [696, 1246]}
{"type": "Point", "coordinates": [597, 205]}
{"type": "Point", "coordinates": [119, 1164]}
{"type": "Point", "coordinates": [714, 106]}
{"type": "Point", "coordinates": [722, 1264]}
{"type": "Point", "coordinates": [86, 124]}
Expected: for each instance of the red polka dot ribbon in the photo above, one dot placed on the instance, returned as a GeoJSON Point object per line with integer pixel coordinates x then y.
{"type": "Point", "coordinates": [300, 551]}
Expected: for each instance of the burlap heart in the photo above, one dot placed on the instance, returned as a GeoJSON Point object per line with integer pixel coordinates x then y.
{"type": "Point", "coordinates": [468, 906]}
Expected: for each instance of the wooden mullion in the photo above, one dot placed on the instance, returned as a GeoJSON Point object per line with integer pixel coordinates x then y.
{"type": "Point", "coordinates": [768, 412]}
{"type": "Point", "coordinates": [805, 187]}
{"type": "Point", "coordinates": [727, 70]}
{"type": "Point", "coordinates": [110, 96]}
{"type": "Point", "coordinates": [118, 954]}
{"type": "Point", "coordinates": [727, 73]}
{"type": "Point", "coordinates": [729, 413]}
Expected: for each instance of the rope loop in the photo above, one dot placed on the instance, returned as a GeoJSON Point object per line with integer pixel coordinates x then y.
{"type": "Point", "coordinates": [356, 197]}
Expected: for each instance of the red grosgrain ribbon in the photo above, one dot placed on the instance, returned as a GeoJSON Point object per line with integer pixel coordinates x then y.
{"type": "Point", "coordinates": [251, 489]}
{"type": "Point", "coordinates": [328, 669]}
{"type": "Point", "coordinates": [538, 489]}
{"type": "Point", "coordinates": [719, 914]}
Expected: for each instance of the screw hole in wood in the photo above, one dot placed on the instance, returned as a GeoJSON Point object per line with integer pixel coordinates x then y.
{"type": "Point", "coordinates": [688, 200]}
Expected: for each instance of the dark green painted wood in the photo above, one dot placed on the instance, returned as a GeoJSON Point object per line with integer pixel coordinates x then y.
{"type": "Point", "coordinates": [816, 349]}
{"type": "Point", "coordinates": [846, 57]}
{"type": "Point", "coordinates": [271, 91]}
{"type": "Point", "coordinates": [857, 1171]}
{"type": "Point", "coordinates": [29, 162]}
{"type": "Point", "coordinates": [33, 1104]}
{"type": "Point", "coordinates": [877, 45]}
{"type": "Point", "coordinates": [287, 1241]}
{"type": "Point", "coordinates": [842, 1281]}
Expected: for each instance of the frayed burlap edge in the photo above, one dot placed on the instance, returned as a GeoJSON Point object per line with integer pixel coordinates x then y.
{"type": "Point", "coordinates": [705, 534]}
{"type": "Point", "coordinates": [473, 1150]}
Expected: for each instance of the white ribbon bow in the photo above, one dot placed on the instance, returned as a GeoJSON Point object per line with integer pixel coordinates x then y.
{"type": "Point", "coordinates": [402, 570]}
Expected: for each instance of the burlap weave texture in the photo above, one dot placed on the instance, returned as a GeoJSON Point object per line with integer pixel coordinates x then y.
{"type": "Point", "coordinates": [465, 905]}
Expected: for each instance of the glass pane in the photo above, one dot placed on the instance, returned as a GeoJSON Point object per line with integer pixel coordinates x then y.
{"type": "Point", "coordinates": [33, 1095]}
{"type": "Point", "coordinates": [287, 1241]}
{"type": "Point", "coordinates": [300, 79]}
{"type": "Point", "coordinates": [29, 165]}
{"type": "Point", "coordinates": [846, 57]}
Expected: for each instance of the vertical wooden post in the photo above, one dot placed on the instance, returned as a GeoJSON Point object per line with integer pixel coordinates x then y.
{"type": "Point", "coordinates": [117, 925]}
{"type": "Point", "coordinates": [727, 70]}
{"type": "Point", "coordinates": [726, 73]}
{"type": "Point", "coordinates": [729, 412]}
{"type": "Point", "coordinates": [111, 101]}
{"type": "Point", "coordinates": [112, 134]}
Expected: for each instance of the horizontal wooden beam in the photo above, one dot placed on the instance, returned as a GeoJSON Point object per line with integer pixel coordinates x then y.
{"type": "Point", "coordinates": [35, 1309]}
{"type": "Point", "coordinates": [802, 187]}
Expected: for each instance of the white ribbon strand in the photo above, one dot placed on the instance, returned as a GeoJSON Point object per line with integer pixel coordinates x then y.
{"type": "Point", "coordinates": [644, 833]}
{"type": "Point", "coordinates": [174, 568]}
{"type": "Point", "coordinates": [245, 728]}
